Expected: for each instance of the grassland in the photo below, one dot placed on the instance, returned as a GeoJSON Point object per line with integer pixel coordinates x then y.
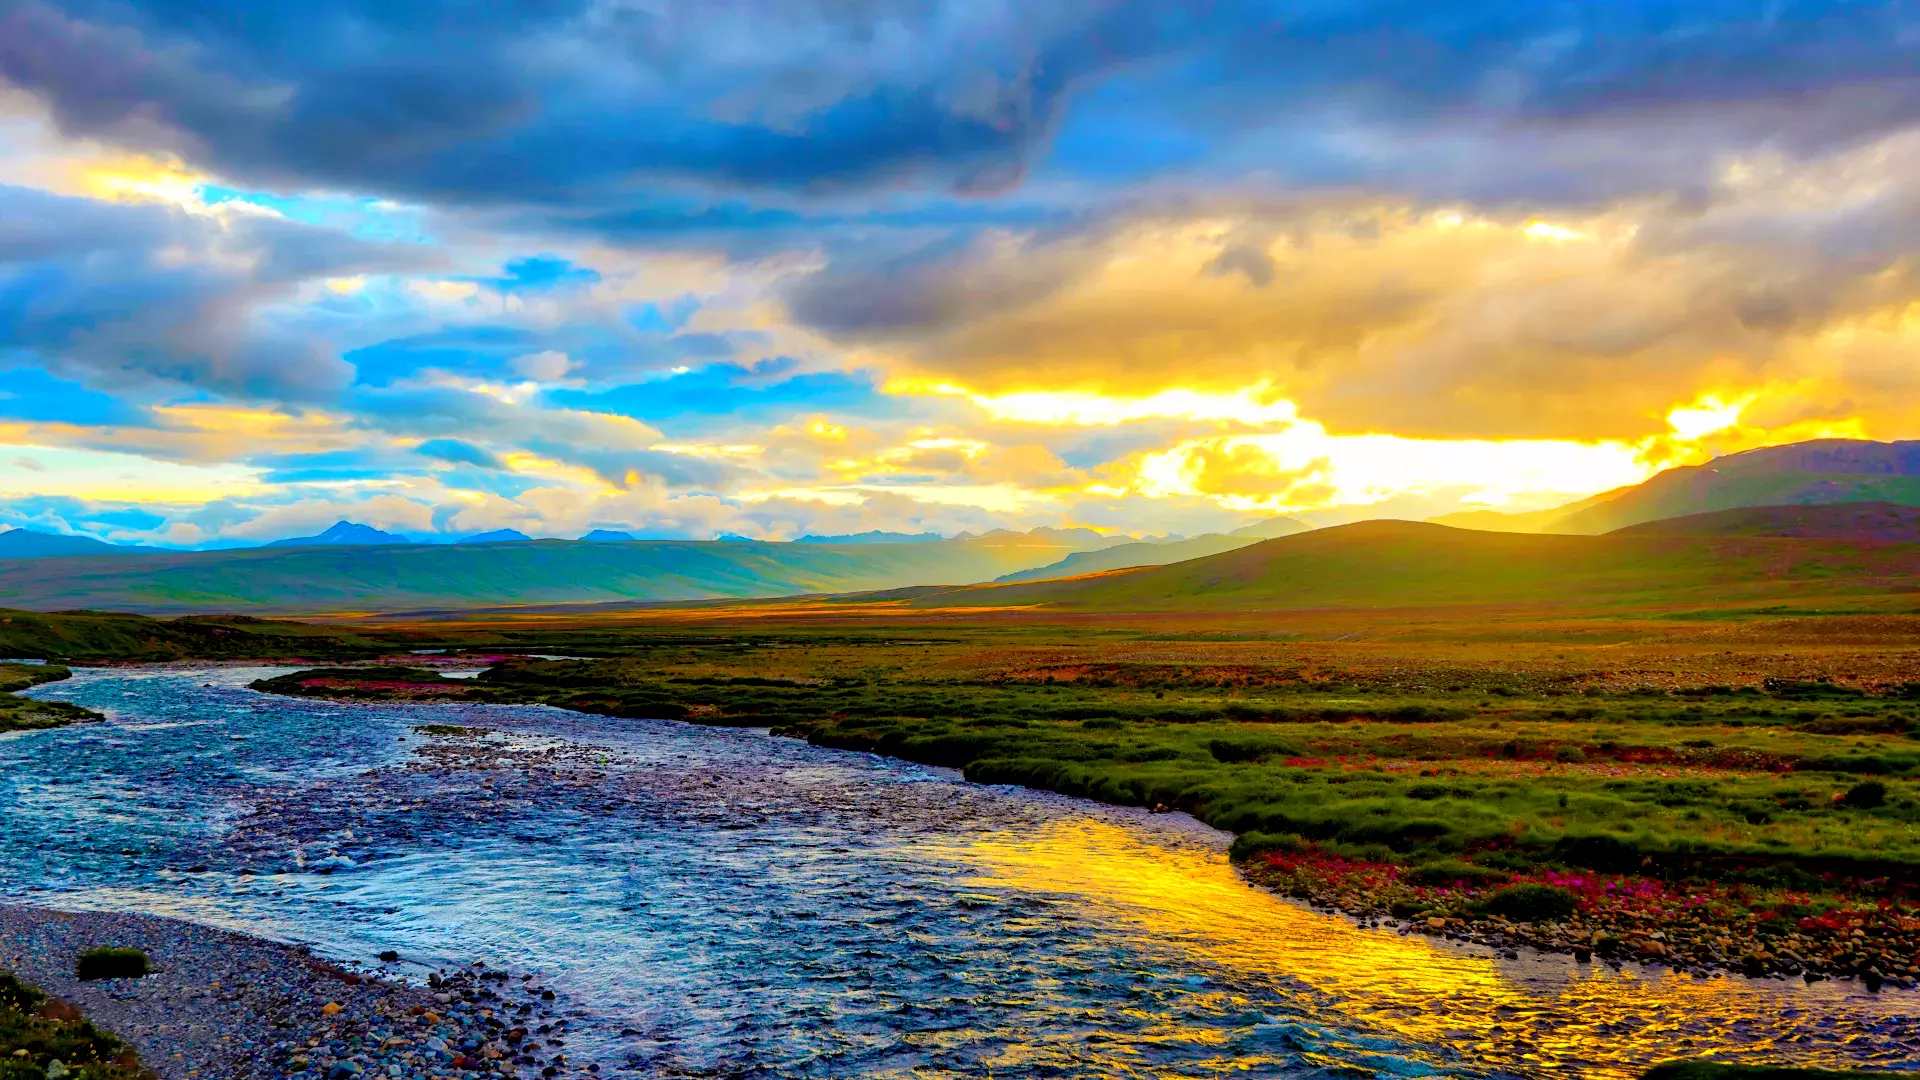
{"type": "Point", "coordinates": [26, 714]}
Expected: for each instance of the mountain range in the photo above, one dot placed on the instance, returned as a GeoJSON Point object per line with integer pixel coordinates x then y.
{"type": "Point", "coordinates": [358, 577]}
{"type": "Point", "coordinates": [1832, 492]}
{"type": "Point", "coordinates": [1160, 553]}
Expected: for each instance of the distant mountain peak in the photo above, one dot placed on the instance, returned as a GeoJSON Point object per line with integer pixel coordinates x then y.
{"type": "Point", "coordinates": [497, 536]}
{"type": "Point", "coordinates": [875, 536]}
{"type": "Point", "coordinates": [607, 536]}
{"type": "Point", "coordinates": [1272, 528]}
{"type": "Point", "coordinates": [344, 534]}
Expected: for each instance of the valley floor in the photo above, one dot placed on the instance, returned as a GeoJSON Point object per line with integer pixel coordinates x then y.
{"type": "Point", "coordinates": [1733, 794]}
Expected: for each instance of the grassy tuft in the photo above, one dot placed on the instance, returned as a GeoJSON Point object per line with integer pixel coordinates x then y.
{"type": "Point", "coordinates": [111, 963]}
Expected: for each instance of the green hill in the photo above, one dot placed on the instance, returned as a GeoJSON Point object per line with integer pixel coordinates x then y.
{"type": "Point", "coordinates": [1880, 521]}
{"type": "Point", "coordinates": [107, 635]}
{"type": "Point", "coordinates": [1404, 563]}
{"type": "Point", "coordinates": [1823, 471]}
{"type": "Point", "coordinates": [28, 544]}
{"type": "Point", "coordinates": [400, 577]}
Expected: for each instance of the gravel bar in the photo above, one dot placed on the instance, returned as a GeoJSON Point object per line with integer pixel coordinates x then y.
{"type": "Point", "coordinates": [224, 1005]}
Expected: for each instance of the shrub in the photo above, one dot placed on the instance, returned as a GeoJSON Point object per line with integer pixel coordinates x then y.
{"type": "Point", "coordinates": [1866, 796]}
{"type": "Point", "coordinates": [1532, 903]}
{"type": "Point", "coordinates": [1234, 751]}
{"type": "Point", "coordinates": [18, 997]}
{"type": "Point", "coordinates": [1249, 844]}
{"type": "Point", "coordinates": [111, 964]}
{"type": "Point", "coordinates": [1571, 755]}
{"type": "Point", "coordinates": [1598, 851]}
{"type": "Point", "coordinates": [1450, 871]}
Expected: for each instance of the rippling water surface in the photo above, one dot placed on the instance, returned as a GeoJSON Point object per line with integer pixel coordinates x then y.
{"type": "Point", "coordinates": [723, 903]}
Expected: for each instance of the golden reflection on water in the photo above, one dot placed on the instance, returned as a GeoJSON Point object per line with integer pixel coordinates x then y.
{"type": "Point", "coordinates": [1537, 1015]}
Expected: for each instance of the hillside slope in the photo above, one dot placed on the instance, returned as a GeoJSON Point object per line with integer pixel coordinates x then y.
{"type": "Point", "coordinates": [350, 578]}
{"type": "Point", "coordinates": [1523, 521]}
{"type": "Point", "coordinates": [1127, 555]}
{"type": "Point", "coordinates": [1820, 472]}
{"type": "Point", "coordinates": [1404, 563]}
{"type": "Point", "coordinates": [28, 544]}
{"type": "Point", "coordinates": [1879, 521]}
{"type": "Point", "coordinates": [1809, 473]}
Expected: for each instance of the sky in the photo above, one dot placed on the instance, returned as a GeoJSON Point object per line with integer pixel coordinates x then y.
{"type": "Point", "coordinates": [780, 267]}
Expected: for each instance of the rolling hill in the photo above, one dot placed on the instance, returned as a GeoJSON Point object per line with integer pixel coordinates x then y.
{"type": "Point", "coordinates": [349, 578]}
{"type": "Point", "coordinates": [1128, 555]}
{"type": "Point", "coordinates": [1160, 552]}
{"type": "Point", "coordinates": [1823, 471]}
{"type": "Point", "coordinates": [1880, 521]}
{"type": "Point", "coordinates": [1408, 564]}
{"type": "Point", "coordinates": [28, 544]}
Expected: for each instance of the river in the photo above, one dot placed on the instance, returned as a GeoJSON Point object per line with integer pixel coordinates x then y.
{"type": "Point", "coordinates": [724, 903]}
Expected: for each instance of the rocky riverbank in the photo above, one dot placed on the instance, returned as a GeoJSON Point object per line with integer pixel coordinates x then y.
{"type": "Point", "coordinates": [226, 1005]}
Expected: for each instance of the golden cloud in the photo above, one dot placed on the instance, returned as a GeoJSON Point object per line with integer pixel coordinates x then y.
{"type": "Point", "coordinates": [1789, 291]}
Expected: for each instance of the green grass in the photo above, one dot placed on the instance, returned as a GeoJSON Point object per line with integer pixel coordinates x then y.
{"type": "Point", "coordinates": [35, 1032]}
{"type": "Point", "coordinates": [1705, 780]}
{"type": "Point", "coordinates": [110, 963]}
{"type": "Point", "coordinates": [26, 714]}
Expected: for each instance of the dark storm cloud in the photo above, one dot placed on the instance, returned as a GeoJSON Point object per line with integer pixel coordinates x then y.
{"type": "Point", "coordinates": [570, 102]}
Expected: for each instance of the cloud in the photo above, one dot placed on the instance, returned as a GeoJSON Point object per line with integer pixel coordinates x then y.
{"type": "Point", "coordinates": [575, 102]}
{"type": "Point", "coordinates": [548, 365]}
{"type": "Point", "coordinates": [460, 453]}
{"type": "Point", "coordinates": [1439, 321]}
{"type": "Point", "coordinates": [124, 295]}
{"type": "Point", "coordinates": [771, 267]}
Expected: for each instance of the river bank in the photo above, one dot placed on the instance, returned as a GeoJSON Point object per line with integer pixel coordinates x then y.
{"type": "Point", "coordinates": [226, 1005]}
{"type": "Point", "coordinates": [27, 714]}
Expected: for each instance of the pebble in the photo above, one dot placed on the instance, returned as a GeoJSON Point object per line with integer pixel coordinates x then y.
{"type": "Point", "coordinates": [229, 1006]}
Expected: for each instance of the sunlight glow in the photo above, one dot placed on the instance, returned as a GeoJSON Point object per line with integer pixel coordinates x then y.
{"type": "Point", "coordinates": [1253, 406]}
{"type": "Point", "coordinates": [1707, 415]}
{"type": "Point", "coordinates": [1546, 230]}
{"type": "Point", "coordinates": [1305, 467]}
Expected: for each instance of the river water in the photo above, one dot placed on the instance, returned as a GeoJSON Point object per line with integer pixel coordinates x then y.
{"type": "Point", "coordinates": [724, 903]}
